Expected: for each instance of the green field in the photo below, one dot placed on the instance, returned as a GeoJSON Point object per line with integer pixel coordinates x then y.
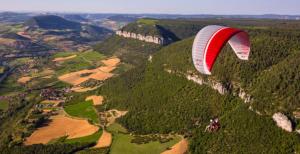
{"type": "Point", "coordinates": [3, 105]}
{"type": "Point", "coordinates": [63, 54]}
{"type": "Point", "coordinates": [83, 60]}
{"type": "Point", "coordinates": [122, 144]}
{"type": "Point", "coordinates": [147, 21]}
{"type": "Point", "coordinates": [116, 127]}
{"type": "Point", "coordinates": [83, 110]}
{"type": "Point", "coordinates": [91, 138]}
{"type": "Point", "coordinates": [94, 151]}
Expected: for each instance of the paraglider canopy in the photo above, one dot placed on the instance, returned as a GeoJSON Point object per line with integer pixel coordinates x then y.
{"type": "Point", "coordinates": [211, 39]}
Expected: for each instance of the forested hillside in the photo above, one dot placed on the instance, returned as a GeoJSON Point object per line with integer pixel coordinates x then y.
{"type": "Point", "coordinates": [274, 53]}
{"type": "Point", "coordinates": [163, 102]}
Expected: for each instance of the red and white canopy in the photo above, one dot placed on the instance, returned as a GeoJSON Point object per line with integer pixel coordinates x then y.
{"type": "Point", "coordinates": [211, 39]}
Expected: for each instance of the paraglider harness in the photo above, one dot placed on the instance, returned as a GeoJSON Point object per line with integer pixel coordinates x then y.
{"type": "Point", "coordinates": [213, 126]}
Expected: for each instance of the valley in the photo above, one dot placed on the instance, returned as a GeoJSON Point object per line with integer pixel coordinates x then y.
{"type": "Point", "coordinates": [67, 86]}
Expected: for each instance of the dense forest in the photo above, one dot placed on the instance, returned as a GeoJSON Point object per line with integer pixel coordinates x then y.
{"type": "Point", "coordinates": [46, 149]}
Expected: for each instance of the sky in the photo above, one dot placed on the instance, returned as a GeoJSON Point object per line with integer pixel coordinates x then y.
{"type": "Point", "coordinates": [224, 7]}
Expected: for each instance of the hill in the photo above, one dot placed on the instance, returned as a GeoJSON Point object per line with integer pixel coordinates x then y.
{"type": "Point", "coordinates": [148, 30]}
{"type": "Point", "coordinates": [45, 34]}
{"type": "Point", "coordinates": [75, 17]}
{"type": "Point", "coordinates": [136, 52]}
{"type": "Point", "coordinates": [64, 34]}
{"type": "Point", "coordinates": [13, 43]}
{"type": "Point", "coordinates": [59, 26]}
{"type": "Point", "coordinates": [129, 49]}
{"type": "Point", "coordinates": [161, 99]}
{"type": "Point", "coordinates": [51, 22]}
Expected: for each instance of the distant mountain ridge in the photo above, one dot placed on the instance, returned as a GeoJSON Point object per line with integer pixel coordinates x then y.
{"type": "Point", "coordinates": [75, 17]}
{"type": "Point", "coordinates": [51, 22]}
{"type": "Point", "coordinates": [49, 32]}
{"type": "Point", "coordinates": [18, 16]}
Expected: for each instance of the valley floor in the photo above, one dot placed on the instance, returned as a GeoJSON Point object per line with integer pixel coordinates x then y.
{"type": "Point", "coordinates": [67, 108]}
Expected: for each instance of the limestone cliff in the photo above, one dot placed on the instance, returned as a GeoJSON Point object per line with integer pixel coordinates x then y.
{"type": "Point", "coordinates": [147, 38]}
{"type": "Point", "coordinates": [236, 90]}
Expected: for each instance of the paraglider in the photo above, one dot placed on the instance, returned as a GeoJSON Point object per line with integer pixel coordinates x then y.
{"type": "Point", "coordinates": [211, 39]}
{"type": "Point", "coordinates": [213, 126]}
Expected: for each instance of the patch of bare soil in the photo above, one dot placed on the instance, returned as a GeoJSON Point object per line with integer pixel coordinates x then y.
{"type": "Point", "coordinates": [7, 41]}
{"type": "Point", "coordinates": [111, 62]}
{"type": "Point", "coordinates": [107, 69]}
{"type": "Point", "coordinates": [110, 116]}
{"type": "Point", "coordinates": [60, 126]}
{"type": "Point", "coordinates": [179, 148]}
{"type": "Point", "coordinates": [24, 79]}
{"type": "Point", "coordinates": [97, 100]}
{"type": "Point", "coordinates": [104, 141]}
{"type": "Point", "coordinates": [60, 59]}
{"type": "Point", "coordinates": [45, 111]}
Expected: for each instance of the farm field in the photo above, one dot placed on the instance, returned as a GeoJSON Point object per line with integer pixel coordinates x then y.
{"type": "Point", "coordinates": [116, 128]}
{"type": "Point", "coordinates": [60, 126]}
{"type": "Point", "coordinates": [122, 144]}
{"type": "Point", "coordinates": [82, 60]}
{"type": "Point", "coordinates": [83, 110]}
{"type": "Point", "coordinates": [91, 138]}
{"type": "Point", "coordinates": [97, 100]}
{"type": "Point", "coordinates": [178, 148]}
{"type": "Point", "coordinates": [105, 140]}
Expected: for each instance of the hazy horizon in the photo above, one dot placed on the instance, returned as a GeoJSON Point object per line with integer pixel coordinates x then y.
{"type": "Point", "coordinates": [187, 7]}
{"type": "Point", "coordinates": [82, 12]}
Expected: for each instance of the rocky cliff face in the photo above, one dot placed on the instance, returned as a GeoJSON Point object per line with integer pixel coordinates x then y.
{"type": "Point", "coordinates": [213, 84]}
{"type": "Point", "coordinates": [152, 39]}
{"type": "Point", "coordinates": [283, 122]}
{"type": "Point", "coordinates": [236, 90]}
{"type": "Point", "coordinates": [222, 89]}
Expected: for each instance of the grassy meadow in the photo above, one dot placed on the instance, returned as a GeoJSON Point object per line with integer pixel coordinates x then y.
{"type": "Point", "coordinates": [122, 144]}
{"type": "Point", "coordinates": [83, 110]}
